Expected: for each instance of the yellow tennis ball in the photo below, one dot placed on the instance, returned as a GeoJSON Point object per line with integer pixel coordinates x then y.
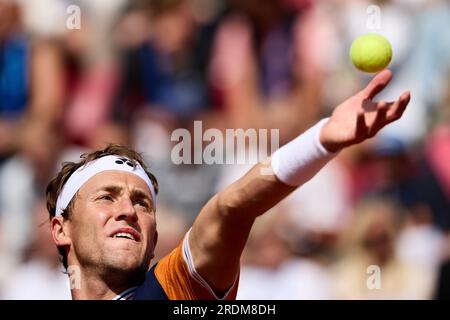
{"type": "Point", "coordinates": [371, 53]}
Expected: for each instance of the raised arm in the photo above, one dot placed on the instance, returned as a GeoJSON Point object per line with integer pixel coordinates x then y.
{"type": "Point", "coordinates": [219, 234]}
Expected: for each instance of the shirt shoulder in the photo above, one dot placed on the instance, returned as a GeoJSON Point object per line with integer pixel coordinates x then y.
{"type": "Point", "coordinates": [180, 281]}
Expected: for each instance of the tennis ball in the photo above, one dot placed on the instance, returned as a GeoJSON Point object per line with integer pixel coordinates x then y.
{"type": "Point", "coordinates": [371, 53]}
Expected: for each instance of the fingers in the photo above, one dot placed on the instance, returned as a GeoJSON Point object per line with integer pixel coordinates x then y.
{"type": "Point", "coordinates": [361, 127]}
{"type": "Point", "coordinates": [385, 114]}
{"type": "Point", "coordinates": [397, 108]}
{"type": "Point", "coordinates": [380, 119]}
{"type": "Point", "coordinates": [377, 84]}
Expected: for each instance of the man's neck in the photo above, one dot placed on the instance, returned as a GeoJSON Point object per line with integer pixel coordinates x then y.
{"type": "Point", "coordinates": [93, 287]}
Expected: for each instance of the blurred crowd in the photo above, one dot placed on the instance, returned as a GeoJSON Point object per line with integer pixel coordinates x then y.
{"type": "Point", "coordinates": [136, 70]}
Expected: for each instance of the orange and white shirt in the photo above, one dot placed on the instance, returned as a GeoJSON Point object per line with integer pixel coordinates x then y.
{"type": "Point", "coordinates": [174, 278]}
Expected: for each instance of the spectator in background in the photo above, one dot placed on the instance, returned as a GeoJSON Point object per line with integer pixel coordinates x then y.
{"type": "Point", "coordinates": [386, 166]}
{"type": "Point", "coordinates": [40, 276]}
{"type": "Point", "coordinates": [421, 243]}
{"type": "Point", "coordinates": [165, 69]}
{"type": "Point", "coordinates": [256, 87]}
{"type": "Point", "coordinates": [431, 53]}
{"type": "Point", "coordinates": [371, 242]}
{"type": "Point", "coordinates": [93, 76]}
{"type": "Point", "coordinates": [275, 268]}
{"type": "Point", "coordinates": [31, 93]}
{"type": "Point", "coordinates": [14, 76]}
{"type": "Point", "coordinates": [437, 153]}
{"type": "Point", "coordinates": [30, 88]}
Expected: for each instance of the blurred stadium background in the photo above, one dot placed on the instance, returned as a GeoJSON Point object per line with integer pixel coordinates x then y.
{"type": "Point", "coordinates": [138, 69]}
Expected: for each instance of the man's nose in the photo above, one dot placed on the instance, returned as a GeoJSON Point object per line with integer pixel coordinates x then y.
{"type": "Point", "coordinates": [126, 210]}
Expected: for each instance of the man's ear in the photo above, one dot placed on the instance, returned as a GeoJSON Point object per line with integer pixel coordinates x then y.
{"type": "Point", "coordinates": [59, 232]}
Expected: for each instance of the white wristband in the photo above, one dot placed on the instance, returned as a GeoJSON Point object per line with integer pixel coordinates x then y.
{"type": "Point", "coordinates": [299, 160]}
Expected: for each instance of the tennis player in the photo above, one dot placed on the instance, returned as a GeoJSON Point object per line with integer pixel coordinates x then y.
{"type": "Point", "coordinates": [103, 210]}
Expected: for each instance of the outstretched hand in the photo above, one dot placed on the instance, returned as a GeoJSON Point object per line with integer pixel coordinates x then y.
{"type": "Point", "coordinates": [360, 118]}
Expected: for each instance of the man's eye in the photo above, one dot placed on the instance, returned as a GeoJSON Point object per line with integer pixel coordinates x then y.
{"type": "Point", "coordinates": [105, 197]}
{"type": "Point", "coordinates": [142, 203]}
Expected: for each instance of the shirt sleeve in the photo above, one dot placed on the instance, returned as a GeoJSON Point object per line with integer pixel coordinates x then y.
{"type": "Point", "coordinates": [179, 279]}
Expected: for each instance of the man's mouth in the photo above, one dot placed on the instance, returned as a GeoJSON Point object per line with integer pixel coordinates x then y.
{"type": "Point", "coordinates": [126, 233]}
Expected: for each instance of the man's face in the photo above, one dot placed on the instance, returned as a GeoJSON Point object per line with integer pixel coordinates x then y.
{"type": "Point", "coordinates": [112, 225]}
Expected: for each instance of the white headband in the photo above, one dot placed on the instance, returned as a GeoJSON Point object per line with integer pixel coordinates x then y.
{"type": "Point", "coordinates": [84, 173]}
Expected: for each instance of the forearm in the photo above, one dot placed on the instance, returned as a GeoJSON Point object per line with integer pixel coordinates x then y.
{"type": "Point", "coordinates": [268, 183]}
{"type": "Point", "coordinates": [222, 227]}
{"type": "Point", "coordinates": [221, 230]}
{"type": "Point", "coordinates": [253, 194]}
